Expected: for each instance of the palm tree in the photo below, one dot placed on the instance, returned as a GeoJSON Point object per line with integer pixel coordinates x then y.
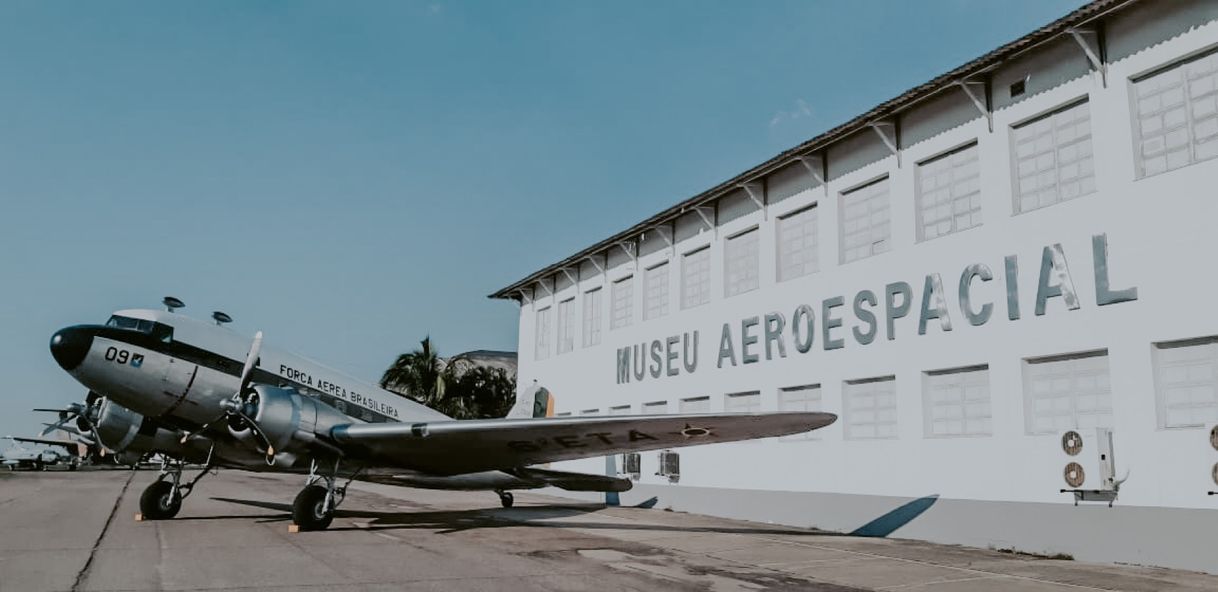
{"type": "Point", "coordinates": [418, 375]}
{"type": "Point", "coordinates": [478, 393]}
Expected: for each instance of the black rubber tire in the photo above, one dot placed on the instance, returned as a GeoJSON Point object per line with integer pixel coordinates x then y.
{"type": "Point", "coordinates": [159, 502]}
{"type": "Point", "coordinates": [72, 467]}
{"type": "Point", "coordinates": [506, 499]}
{"type": "Point", "coordinates": [309, 511]}
{"type": "Point", "coordinates": [39, 467]}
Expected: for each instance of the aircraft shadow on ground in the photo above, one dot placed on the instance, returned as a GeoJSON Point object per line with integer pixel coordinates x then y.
{"type": "Point", "coordinates": [532, 516]}
{"type": "Point", "coordinates": [452, 521]}
{"type": "Point", "coordinates": [889, 522]}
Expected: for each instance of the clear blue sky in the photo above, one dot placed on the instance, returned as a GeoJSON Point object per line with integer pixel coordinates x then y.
{"type": "Point", "coordinates": [349, 177]}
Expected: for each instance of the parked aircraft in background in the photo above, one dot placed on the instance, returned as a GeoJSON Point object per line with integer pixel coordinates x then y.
{"type": "Point", "coordinates": [20, 457]}
{"type": "Point", "coordinates": [198, 392]}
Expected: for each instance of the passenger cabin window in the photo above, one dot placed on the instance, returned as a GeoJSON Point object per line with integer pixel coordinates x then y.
{"type": "Point", "coordinates": [160, 331]}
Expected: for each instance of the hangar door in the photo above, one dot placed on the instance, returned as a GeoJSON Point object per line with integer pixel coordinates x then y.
{"type": "Point", "coordinates": [1067, 393]}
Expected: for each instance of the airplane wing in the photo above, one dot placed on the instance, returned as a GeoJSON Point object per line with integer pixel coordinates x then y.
{"type": "Point", "coordinates": [455, 447]}
{"type": "Point", "coordinates": [71, 445]}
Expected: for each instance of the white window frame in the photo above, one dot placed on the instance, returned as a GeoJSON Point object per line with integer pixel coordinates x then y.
{"type": "Point", "coordinates": [812, 401]}
{"type": "Point", "coordinates": [743, 402]}
{"type": "Point", "coordinates": [694, 404]}
{"type": "Point", "coordinates": [742, 262]}
{"type": "Point", "coordinates": [541, 334]}
{"type": "Point", "coordinates": [961, 188]}
{"type": "Point", "coordinates": [1189, 86]}
{"type": "Point", "coordinates": [972, 409]}
{"type": "Point", "coordinates": [655, 304]}
{"type": "Point", "coordinates": [695, 294]}
{"type": "Point", "coordinates": [808, 249]}
{"type": "Point", "coordinates": [1074, 389]}
{"type": "Point", "coordinates": [592, 313]}
{"type": "Point", "coordinates": [1064, 139]}
{"type": "Point", "coordinates": [622, 294]}
{"type": "Point", "coordinates": [1198, 382]}
{"type": "Point", "coordinates": [566, 325]}
{"type": "Point", "coordinates": [651, 408]}
{"type": "Point", "coordinates": [883, 416]}
{"type": "Point", "coordinates": [878, 219]}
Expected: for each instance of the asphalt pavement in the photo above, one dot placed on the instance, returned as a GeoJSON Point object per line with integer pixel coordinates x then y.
{"type": "Point", "coordinates": [77, 531]}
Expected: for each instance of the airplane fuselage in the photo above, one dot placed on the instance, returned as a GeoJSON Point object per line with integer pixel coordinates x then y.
{"type": "Point", "coordinates": [176, 371]}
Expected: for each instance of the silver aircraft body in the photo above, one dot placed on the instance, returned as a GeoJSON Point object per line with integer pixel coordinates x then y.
{"type": "Point", "coordinates": [194, 391]}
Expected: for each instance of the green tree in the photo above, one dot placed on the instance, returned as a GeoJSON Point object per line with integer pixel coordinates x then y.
{"type": "Point", "coordinates": [479, 393]}
{"type": "Point", "coordinates": [418, 375]}
{"type": "Point", "coordinates": [458, 390]}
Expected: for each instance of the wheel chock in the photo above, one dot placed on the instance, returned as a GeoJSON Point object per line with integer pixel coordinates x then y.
{"type": "Point", "coordinates": [139, 516]}
{"type": "Point", "coordinates": [293, 528]}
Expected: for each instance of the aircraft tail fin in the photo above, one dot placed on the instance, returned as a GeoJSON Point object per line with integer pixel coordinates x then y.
{"type": "Point", "coordinates": [533, 401]}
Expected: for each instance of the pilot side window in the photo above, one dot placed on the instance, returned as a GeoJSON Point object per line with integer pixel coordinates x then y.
{"type": "Point", "coordinates": [160, 331]}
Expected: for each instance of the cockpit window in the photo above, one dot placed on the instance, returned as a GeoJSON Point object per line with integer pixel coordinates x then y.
{"type": "Point", "coordinates": [160, 331]}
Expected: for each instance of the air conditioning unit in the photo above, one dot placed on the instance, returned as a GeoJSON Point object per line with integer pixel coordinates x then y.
{"type": "Point", "coordinates": [1214, 444]}
{"type": "Point", "coordinates": [631, 465]}
{"type": "Point", "coordinates": [1089, 468]}
{"type": "Point", "coordinates": [670, 465]}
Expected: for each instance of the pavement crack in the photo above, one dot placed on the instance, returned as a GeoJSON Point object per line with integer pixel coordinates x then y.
{"type": "Point", "coordinates": [83, 574]}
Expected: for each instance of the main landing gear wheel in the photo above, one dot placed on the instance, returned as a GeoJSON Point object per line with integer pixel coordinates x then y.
{"type": "Point", "coordinates": [505, 498]}
{"type": "Point", "coordinates": [310, 511]}
{"type": "Point", "coordinates": [160, 502]}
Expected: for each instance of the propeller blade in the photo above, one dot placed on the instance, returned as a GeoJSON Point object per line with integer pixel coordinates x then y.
{"type": "Point", "coordinates": [53, 410]}
{"type": "Point", "coordinates": [247, 372]}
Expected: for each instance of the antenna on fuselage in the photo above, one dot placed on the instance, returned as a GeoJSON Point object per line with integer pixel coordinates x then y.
{"type": "Point", "coordinates": [221, 317]}
{"type": "Point", "coordinates": [172, 303]}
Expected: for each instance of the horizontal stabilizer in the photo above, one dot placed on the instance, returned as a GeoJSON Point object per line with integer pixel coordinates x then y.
{"type": "Point", "coordinates": [575, 481]}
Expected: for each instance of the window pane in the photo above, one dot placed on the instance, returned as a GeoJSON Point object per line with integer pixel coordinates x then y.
{"type": "Point", "coordinates": [796, 244]}
{"type": "Point", "coordinates": [1067, 393]}
{"type": "Point", "coordinates": [592, 317]}
{"type": "Point", "coordinates": [1053, 158]}
{"type": "Point", "coordinates": [957, 402]}
{"type": "Point", "coordinates": [743, 402]}
{"type": "Point", "coordinates": [1187, 383]}
{"type": "Point", "coordinates": [566, 325]}
{"type": "Point", "coordinates": [695, 405]}
{"type": "Point", "coordinates": [695, 278]}
{"type": "Point", "coordinates": [870, 409]}
{"type": "Point", "coordinates": [949, 193]}
{"type": "Point", "coordinates": [655, 408]}
{"type": "Point", "coordinates": [865, 227]}
{"type": "Point", "coordinates": [623, 303]}
{"type": "Point", "coordinates": [542, 337]}
{"type": "Point", "coordinates": [1176, 116]}
{"type": "Point", "coordinates": [655, 286]}
{"type": "Point", "coordinates": [740, 263]}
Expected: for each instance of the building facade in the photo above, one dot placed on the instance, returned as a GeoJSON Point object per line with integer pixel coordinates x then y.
{"type": "Point", "coordinates": [967, 275]}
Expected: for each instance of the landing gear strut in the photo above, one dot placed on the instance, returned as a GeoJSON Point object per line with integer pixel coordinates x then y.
{"type": "Point", "coordinates": [505, 498]}
{"type": "Point", "coordinates": [313, 508]}
{"type": "Point", "coordinates": [163, 498]}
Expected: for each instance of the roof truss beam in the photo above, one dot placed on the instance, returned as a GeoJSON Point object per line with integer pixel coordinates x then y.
{"type": "Point", "coordinates": [889, 134]}
{"type": "Point", "coordinates": [756, 192]}
{"type": "Point", "coordinates": [818, 168]}
{"type": "Point", "coordinates": [970, 88]}
{"type": "Point", "coordinates": [1092, 43]}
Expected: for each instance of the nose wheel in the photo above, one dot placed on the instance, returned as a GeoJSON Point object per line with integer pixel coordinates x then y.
{"type": "Point", "coordinates": [506, 499]}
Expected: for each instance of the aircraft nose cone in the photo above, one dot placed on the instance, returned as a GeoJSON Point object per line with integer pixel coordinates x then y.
{"type": "Point", "coordinates": [69, 346]}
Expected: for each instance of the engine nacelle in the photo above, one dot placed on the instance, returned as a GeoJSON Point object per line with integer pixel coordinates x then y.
{"type": "Point", "coordinates": [296, 426]}
{"type": "Point", "coordinates": [122, 430]}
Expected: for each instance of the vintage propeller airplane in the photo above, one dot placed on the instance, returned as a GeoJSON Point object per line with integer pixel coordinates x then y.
{"type": "Point", "coordinates": [197, 392]}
